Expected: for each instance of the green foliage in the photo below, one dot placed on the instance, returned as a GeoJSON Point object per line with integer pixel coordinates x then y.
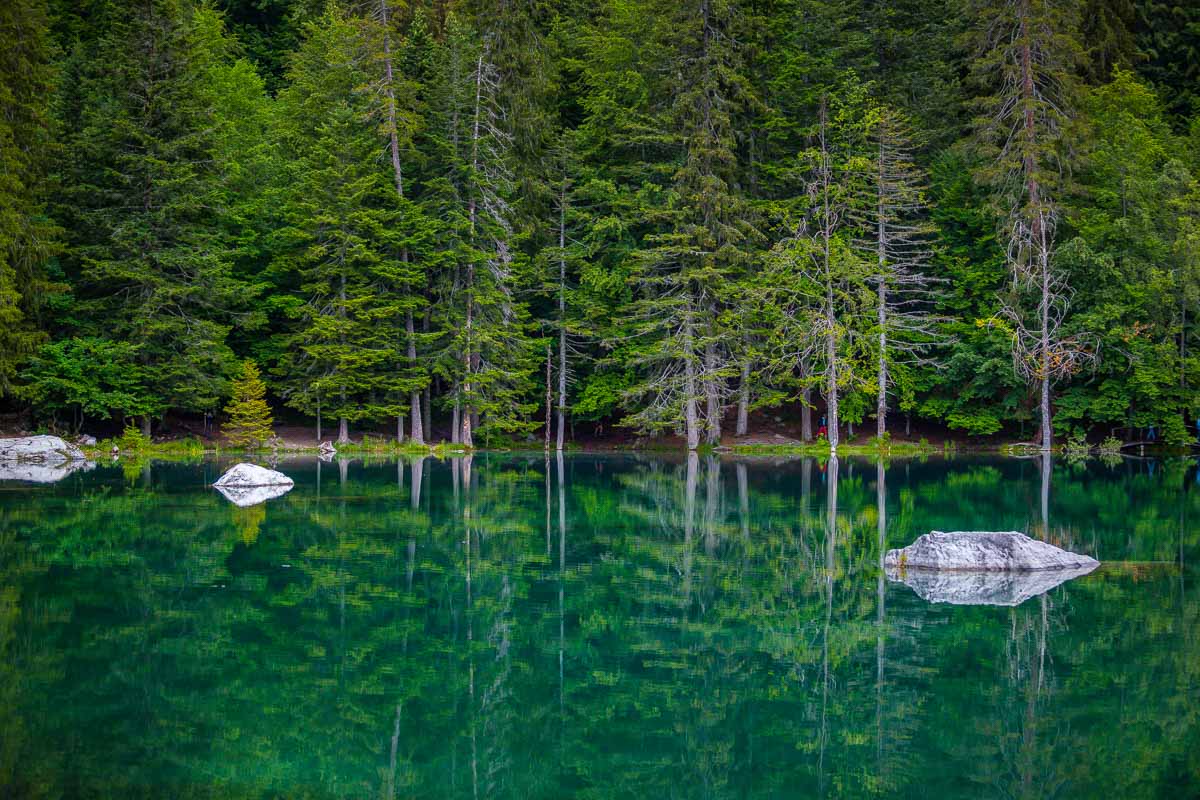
{"type": "Point", "coordinates": [392, 206]}
{"type": "Point", "coordinates": [27, 236]}
{"type": "Point", "coordinates": [250, 418]}
{"type": "Point", "coordinates": [149, 261]}
{"type": "Point", "coordinates": [87, 377]}
{"type": "Point", "coordinates": [132, 441]}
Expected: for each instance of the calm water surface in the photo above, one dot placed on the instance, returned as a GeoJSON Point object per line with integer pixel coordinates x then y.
{"type": "Point", "coordinates": [603, 626]}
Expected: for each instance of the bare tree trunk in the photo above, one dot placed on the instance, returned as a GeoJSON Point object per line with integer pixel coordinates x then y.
{"type": "Point", "coordinates": [418, 428]}
{"type": "Point", "coordinates": [806, 429]}
{"type": "Point", "coordinates": [562, 317]}
{"type": "Point", "coordinates": [689, 412]}
{"type": "Point", "coordinates": [743, 411]}
{"type": "Point", "coordinates": [549, 411]}
{"type": "Point", "coordinates": [468, 437]}
{"type": "Point", "coordinates": [831, 382]}
{"type": "Point", "coordinates": [1044, 313]}
{"type": "Point", "coordinates": [712, 408]}
{"type": "Point", "coordinates": [881, 401]}
{"type": "Point", "coordinates": [455, 418]}
{"type": "Point", "coordinates": [146, 426]}
{"type": "Point", "coordinates": [343, 430]}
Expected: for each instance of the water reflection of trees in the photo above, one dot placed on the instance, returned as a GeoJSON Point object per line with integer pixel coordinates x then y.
{"type": "Point", "coordinates": [535, 627]}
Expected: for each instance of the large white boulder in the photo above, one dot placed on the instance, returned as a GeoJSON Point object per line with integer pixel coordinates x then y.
{"type": "Point", "coordinates": [1003, 551]}
{"type": "Point", "coordinates": [40, 449]}
{"type": "Point", "coordinates": [244, 476]}
{"type": "Point", "coordinates": [986, 588]}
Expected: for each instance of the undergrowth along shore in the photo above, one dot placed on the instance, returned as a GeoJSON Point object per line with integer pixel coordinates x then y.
{"type": "Point", "coordinates": [132, 444]}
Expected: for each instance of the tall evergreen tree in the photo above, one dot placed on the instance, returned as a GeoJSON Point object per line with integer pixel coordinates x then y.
{"type": "Point", "coordinates": [346, 233]}
{"type": "Point", "coordinates": [685, 271]}
{"type": "Point", "coordinates": [152, 264]}
{"type": "Point", "coordinates": [896, 236]}
{"type": "Point", "coordinates": [1027, 56]}
{"type": "Point", "coordinates": [26, 234]}
{"type": "Point", "coordinates": [486, 354]}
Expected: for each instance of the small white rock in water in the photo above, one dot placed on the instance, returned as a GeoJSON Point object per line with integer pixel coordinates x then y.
{"type": "Point", "coordinates": [244, 476]}
{"type": "Point", "coordinates": [42, 449]}
{"type": "Point", "coordinates": [984, 550]}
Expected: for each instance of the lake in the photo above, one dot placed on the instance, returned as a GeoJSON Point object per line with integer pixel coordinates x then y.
{"type": "Point", "coordinates": [600, 626]}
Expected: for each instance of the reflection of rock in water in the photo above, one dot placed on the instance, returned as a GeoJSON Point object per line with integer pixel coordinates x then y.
{"type": "Point", "coordinates": [42, 473]}
{"type": "Point", "coordinates": [981, 588]}
{"type": "Point", "coordinates": [243, 496]}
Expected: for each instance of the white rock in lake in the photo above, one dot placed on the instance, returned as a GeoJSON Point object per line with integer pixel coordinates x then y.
{"type": "Point", "coordinates": [983, 550]}
{"type": "Point", "coordinates": [244, 496]}
{"type": "Point", "coordinates": [984, 587]}
{"type": "Point", "coordinates": [40, 449]}
{"type": "Point", "coordinates": [245, 476]}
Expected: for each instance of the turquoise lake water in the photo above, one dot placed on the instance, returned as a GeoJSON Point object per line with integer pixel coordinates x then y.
{"type": "Point", "coordinates": [597, 626]}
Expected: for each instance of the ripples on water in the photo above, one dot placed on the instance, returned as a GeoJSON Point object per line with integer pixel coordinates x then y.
{"type": "Point", "coordinates": [599, 626]}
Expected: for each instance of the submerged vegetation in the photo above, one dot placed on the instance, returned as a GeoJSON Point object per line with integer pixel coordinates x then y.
{"type": "Point", "coordinates": [481, 222]}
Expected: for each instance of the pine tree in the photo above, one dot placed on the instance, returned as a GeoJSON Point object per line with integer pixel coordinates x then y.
{"type": "Point", "coordinates": [250, 418]}
{"type": "Point", "coordinates": [1028, 52]}
{"type": "Point", "coordinates": [151, 261]}
{"type": "Point", "coordinates": [685, 272]}
{"type": "Point", "coordinates": [27, 238]}
{"type": "Point", "coordinates": [896, 236]}
{"type": "Point", "coordinates": [817, 288]}
{"type": "Point", "coordinates": [485, 352]}
{"type": "Point", "coordinates": [347, 238]}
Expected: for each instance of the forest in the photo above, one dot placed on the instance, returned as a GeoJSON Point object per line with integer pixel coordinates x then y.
{"type": "Point", "coordinates": [484, 222]}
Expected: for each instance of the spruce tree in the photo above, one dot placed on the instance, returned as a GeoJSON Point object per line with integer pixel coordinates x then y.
{"type": "Point", "coordinates": [150, 260]}
{"type": "Point", "coordinates": [484, 351]}
{"type": "Point", "coordinates": [1028, 53]}
{"type": "Point", "coordinates": [686, 269]}
{"type": "Point", "coordinates": [250, 417]}
{"type": "Point", "coordinates": [895, 235]}
{"type": "Point", "coordinates": [27, 238]}
{"type": "Point", "coordinates": [346, 236]}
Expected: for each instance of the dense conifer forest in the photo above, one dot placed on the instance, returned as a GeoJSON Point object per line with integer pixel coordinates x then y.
{"type": "Point", "coordinates": [484, 221]}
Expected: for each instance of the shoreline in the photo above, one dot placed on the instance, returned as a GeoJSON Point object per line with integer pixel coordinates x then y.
{"type": "Point", "coordinates": [186, 449]}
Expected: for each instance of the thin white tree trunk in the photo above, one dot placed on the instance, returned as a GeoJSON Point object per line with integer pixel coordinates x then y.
{"type": "Point", "coordinates": [743, 411]}
{"type": "Point", "coordinates": [562, 318]}
{"type": "Point", "coordinates": [881, 243]}
{"type": "Point", "coordinates": [712, 408]}
{"type": "Point", "coordinates": [418, 428]}
{"type": "Point", "coordinates": [691, 423]}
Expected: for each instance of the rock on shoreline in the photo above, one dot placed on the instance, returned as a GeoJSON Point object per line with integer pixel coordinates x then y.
{"type": "Point", "coordinates": [39, 449]}
{"type": "Point", "coordinates": [1004, 551]}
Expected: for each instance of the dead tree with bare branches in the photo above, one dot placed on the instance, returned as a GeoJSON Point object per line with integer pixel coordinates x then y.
{"type": "Point", "coordinates": [1027, 54]}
